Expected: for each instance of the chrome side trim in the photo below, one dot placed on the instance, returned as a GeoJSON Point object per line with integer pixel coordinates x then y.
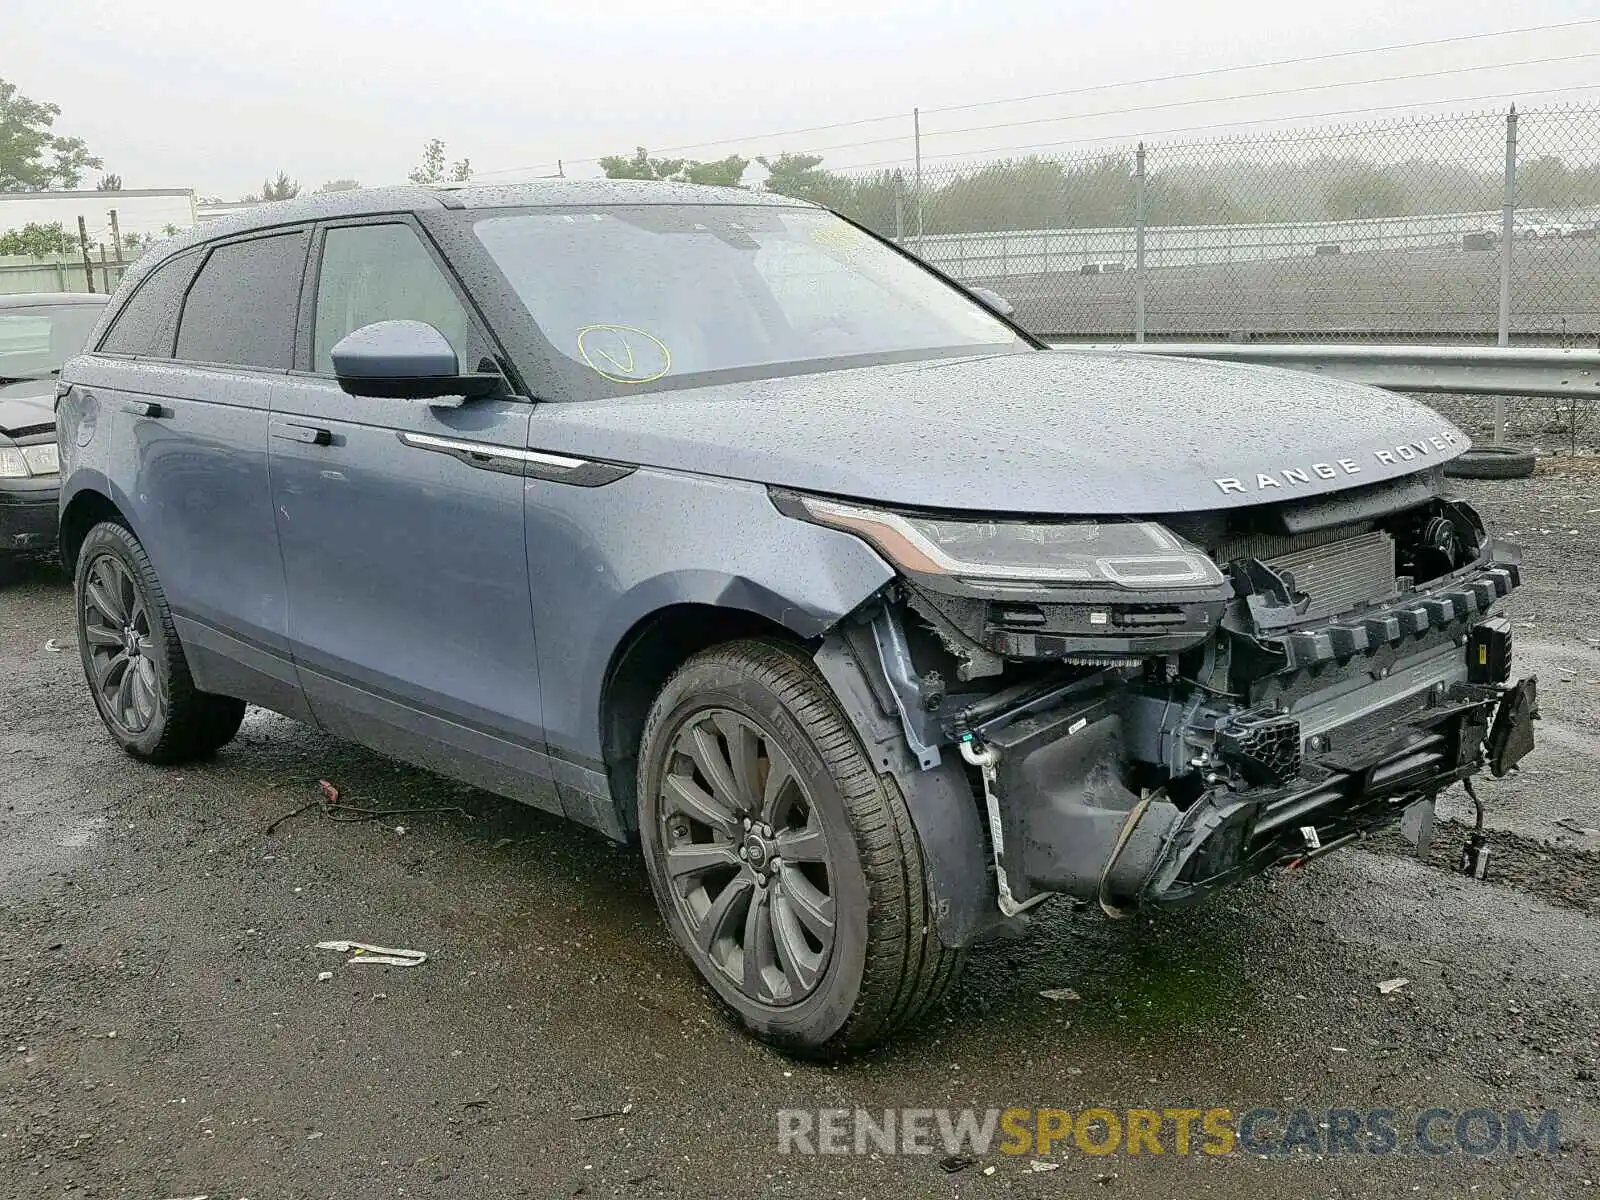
{"type": "Point", "coordinates": [537, 464]}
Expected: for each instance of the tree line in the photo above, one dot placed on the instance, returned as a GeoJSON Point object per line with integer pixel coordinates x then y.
{"type": "Point", "coordinates": [1036, 192]}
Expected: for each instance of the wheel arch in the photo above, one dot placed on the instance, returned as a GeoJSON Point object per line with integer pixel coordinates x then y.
{"type": "Point", "coordinates": [91, 501]}
{"type": "Point", "coordinates": [656, 645]}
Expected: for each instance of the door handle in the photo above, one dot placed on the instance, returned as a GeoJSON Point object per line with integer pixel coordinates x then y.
{"type": "Point", "coordinates": [144, 408]}
{"type": "Point", "coordinates": [310, 435]}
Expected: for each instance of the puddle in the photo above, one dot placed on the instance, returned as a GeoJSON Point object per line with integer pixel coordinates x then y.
{"type": "Point", "coordinates": [82, 835]}
{"type": "Point", "coordinates": [34, 844]}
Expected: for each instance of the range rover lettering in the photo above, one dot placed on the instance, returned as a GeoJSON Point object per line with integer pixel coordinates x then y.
{"type": "Point", "coordinates": [710, 520]}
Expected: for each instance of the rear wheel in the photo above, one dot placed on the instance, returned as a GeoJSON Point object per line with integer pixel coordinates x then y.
{"type": "Point", "coordinates": [132, 659]}
{"type": "Point", "coordinates": [786, 868]}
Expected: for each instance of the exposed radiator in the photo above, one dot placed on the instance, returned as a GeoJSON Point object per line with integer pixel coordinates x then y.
{"type": "Point", "coordinates": [1343, 574]}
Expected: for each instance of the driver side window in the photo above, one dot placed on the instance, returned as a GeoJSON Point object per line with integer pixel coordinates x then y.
{"type": "Point", "coordinates": [382, 273]}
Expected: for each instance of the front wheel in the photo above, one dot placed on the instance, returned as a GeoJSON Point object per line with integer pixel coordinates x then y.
{"type": "Point", "coordinates": [132, 659]}
{"type": "Point", "coordinates": [785, 866]}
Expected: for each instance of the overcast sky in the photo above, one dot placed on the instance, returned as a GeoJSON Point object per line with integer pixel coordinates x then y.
{"type": "Point", "coordinates": [214, 96]}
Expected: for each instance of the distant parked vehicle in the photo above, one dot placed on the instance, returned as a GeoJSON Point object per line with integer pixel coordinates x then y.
{"type": "Point", "coordinates": [1523, 229]}
{"type": "Point", "coordinates": [1538, 228]}
{"type": "Point", "coordinates": [38, 333]}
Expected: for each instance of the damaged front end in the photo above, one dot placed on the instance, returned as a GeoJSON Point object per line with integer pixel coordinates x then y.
{"type": "Point", "coordinates": [1150, 709]}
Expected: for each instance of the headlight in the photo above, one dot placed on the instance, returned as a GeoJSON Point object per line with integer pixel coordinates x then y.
{"type": "Point", "coordinates": [12, 464]}
{"type": "Point", "coordinates": [1122, 554]}
{"type": "Point", "coordinates": [43, 459]}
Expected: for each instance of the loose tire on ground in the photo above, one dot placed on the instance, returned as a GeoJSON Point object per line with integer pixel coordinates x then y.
{"type": "Point", "coordinates": [133, 661]}
{"type": "Point", "coordinates": [1493, 462]}
{"type": "Point", "coordinates": [758, 711]}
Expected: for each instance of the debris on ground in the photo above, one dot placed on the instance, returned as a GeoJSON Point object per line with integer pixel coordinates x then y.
{"type": "Point", "coordinates": [348, 814]}
{"type": "Point", "coordinates": [600, 1116]}
{"type": "Point", "coordinates": [54, 647]}
{"type": "Point", "coordinates": [1389, 987]}
{"type": "Point", "coordinates": [956, 1162]}
{"type": "Point", "coordinates": [1039, 1164]}
{"type": "Point", "coordinates": [361, 952]}
{"type": "Point", "coordinates": [1572, 826]}
{"type": "Point", "coordinates": [1062, 993]}
{"type": "Point", "coordinates": [324, 976]}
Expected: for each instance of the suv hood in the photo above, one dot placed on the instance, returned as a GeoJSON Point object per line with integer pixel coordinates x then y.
{"type": "Point", "coordinates": [1051, 431]}
{"type": "Point", "coordinates": [26, 404]}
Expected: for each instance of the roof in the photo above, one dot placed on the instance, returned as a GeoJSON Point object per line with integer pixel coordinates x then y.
{"type": "Point", "coordinates": [38, 299]}
{"type": "Point", "coordinates": [538, 194]}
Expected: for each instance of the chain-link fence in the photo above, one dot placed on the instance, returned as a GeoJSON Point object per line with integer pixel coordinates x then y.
{"type": "Point", "coordinates": [1391, 231]}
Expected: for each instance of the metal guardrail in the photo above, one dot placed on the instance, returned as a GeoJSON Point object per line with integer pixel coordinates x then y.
{"type": "Point", "coordinates": [1499, 371]}
{"type": "Point", "coordinates": [1465, 370]}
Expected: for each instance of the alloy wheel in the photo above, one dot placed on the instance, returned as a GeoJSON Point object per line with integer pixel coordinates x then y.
{"type": "Point", "coordinates": [746, 858]}
{"type": "Point", "coordinates": [116, 626]}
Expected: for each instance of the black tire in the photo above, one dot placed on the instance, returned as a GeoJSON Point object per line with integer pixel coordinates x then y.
{"type": "Point", "coordinates": [885, 965]}
{"type": "Point", "coordinates": [164, 718]}
{"type": "Point", "coordinates": [1493, 462]}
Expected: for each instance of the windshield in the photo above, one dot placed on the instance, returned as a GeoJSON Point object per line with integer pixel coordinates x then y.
{"type": "Point", "coordinates": [658, 294]}
{"type": "Point", "coordinates": [37, 340]}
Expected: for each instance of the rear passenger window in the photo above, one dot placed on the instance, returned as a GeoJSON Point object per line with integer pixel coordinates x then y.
{"type": "Point", "coordinates": [381, 273]}
{"type": "Point", "coordinates": [241, 309]}
{"type": "Point", "coordinates": [146, 322]}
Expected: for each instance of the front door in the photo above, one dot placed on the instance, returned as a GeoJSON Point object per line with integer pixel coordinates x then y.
{"type": "Point", "coordinates": [401, 526]}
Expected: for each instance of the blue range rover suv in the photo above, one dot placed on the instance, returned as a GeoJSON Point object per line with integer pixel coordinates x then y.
{"type": "Point", "coordinates": [712, 521]}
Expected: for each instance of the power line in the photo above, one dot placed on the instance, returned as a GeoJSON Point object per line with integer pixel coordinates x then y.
{"type": "Point", "coordinates": [1124, 139]}
{"type": "Point", "coordinates": [1271, 92]}
{"type": "Point", "coordinates": [1282, 62]}
{"type": "Point", "coordinates": [1093, 88]}
{"type": "Point", "coordinates": [1293, 91]}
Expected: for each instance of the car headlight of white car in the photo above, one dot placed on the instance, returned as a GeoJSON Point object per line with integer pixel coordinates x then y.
{"type": "Point", "coordinates": [21, 462]}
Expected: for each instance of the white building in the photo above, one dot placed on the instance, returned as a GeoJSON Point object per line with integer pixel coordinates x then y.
{"type": "Point", "coordinates": [145, 211]}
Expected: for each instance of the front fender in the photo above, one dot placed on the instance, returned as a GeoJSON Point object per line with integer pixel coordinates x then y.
{"type": "Point", "coordinates": [604, 559]}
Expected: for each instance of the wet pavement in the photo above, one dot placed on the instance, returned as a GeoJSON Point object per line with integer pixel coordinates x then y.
{"type": "Point", "coordinates": [164, 1032]}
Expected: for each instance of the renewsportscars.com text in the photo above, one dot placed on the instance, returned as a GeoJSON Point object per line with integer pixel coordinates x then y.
{"type": "Point", "coordinates": [1168, 1131]}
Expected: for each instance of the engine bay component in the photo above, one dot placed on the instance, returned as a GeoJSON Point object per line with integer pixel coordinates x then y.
{"type": "Point", "coordinates": [1489, 651]}
{"type": "Point", "coordinates": [1144, 745]}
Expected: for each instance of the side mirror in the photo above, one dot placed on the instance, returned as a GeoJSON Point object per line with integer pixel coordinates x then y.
{"type": "Point", "coordinates": [993, 300]}
{"type": "Point", "coordinates": [405, 360]}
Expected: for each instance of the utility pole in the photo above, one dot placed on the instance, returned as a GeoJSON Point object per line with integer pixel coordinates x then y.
{"type": "Point", "coordinates": [1507, 236]}
{"type": "Point", "coordinates": [916, 135]}
{"type": "Point", "coordinates": [83, 245]}
{"type": "Point", "coordinates": [1138, 245]}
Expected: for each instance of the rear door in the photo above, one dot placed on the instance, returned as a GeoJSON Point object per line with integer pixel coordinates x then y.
{"type": "Point", "coordinates": [181, 385]}
{"type": "Point", "coordinates": [402, 532]}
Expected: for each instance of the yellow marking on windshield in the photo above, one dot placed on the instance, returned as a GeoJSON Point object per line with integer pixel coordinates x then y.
{"type": "Point", "coordinates": [615, 347]}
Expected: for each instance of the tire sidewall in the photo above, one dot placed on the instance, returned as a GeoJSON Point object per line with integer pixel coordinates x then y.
{"type": "Point", "coordinates": [813, 1020]}
{"type": "Point", "coordinates": [1493, 462]}
{"type": "Point", "coordinates": [119, 543]}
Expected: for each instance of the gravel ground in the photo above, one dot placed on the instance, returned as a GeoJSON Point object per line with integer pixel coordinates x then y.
{"type": "Point", "coordinates": [164, 1033]}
